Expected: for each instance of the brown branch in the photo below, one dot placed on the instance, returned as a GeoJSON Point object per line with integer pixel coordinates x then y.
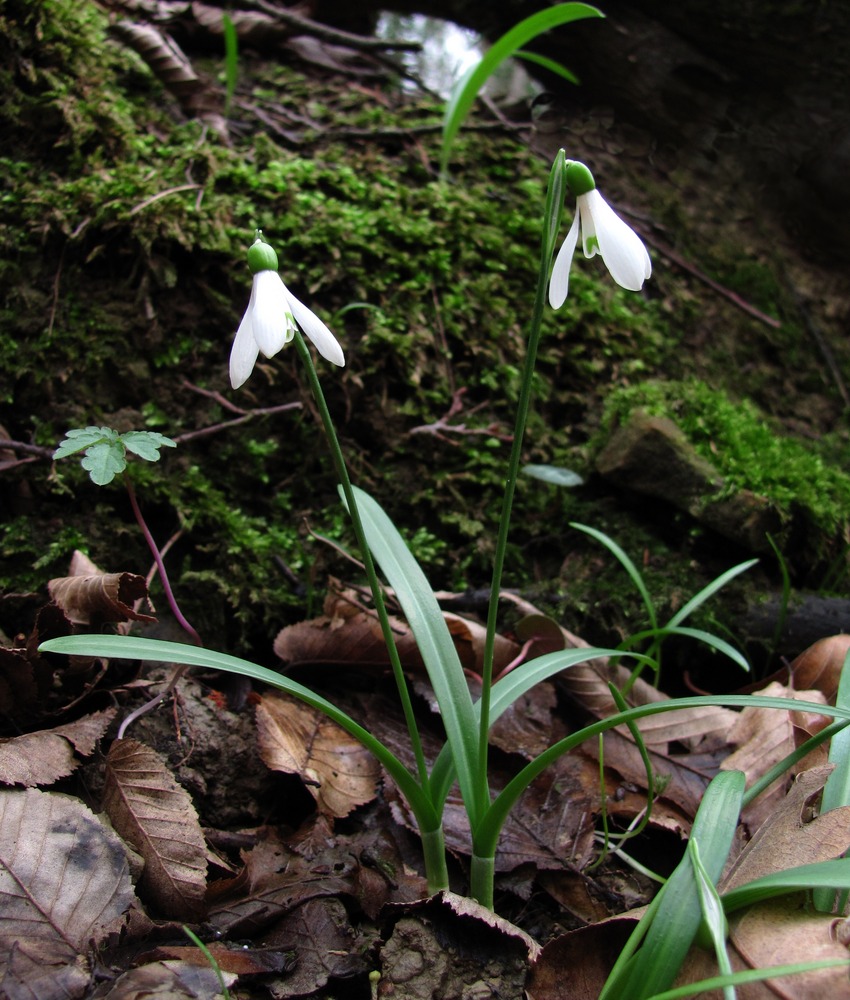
{"type": "Point", "coordinates": [328, 34]}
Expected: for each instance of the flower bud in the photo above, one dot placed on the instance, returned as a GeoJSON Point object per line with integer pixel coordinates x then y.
{"type": "Point", "coordinates": [261, 257]}
{"type": "Point", "coordinates": [579, 178]}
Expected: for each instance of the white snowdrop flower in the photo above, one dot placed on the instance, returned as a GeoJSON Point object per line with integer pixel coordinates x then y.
{"type": "Point", "coordinates": [602, 232]}
{"type": "Point", "coordinates": [270, 320]}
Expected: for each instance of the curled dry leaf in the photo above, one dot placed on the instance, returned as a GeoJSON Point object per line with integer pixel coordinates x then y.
{"type": "Point", "coordinates": [89, 597]}
{"type": "Point", "coordinates": [155, 815]}
{"type": "Point", "coordinates": [821, 664]}
{"type": "Point", "coordinates": [43, 757]}
{"type": "Point", "coordinates": [170, 980]}
{"type": "Point", "coordinates": [64, 885]}
{"type": "Point", "coordinates": [338, 771]}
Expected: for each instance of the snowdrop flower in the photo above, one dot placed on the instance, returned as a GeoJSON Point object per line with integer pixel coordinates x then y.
{"type": "Point", "coordinates": [603, 232]}
{"type": "Point", "coordinates": [269, 321]}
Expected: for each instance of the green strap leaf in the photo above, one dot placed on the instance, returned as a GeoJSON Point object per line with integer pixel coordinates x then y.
{"type": "Point", "coordinates": [129, 647]}
{"type": "Point", "coordinates": [435, 643]}
{"type": "Point", "coordinates": [467, 88]}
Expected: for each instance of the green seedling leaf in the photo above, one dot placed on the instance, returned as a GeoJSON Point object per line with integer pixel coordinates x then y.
{"type": "Point", "coordinates": [104, 461]}
{"type": "Point", "coordinates": [747, 976]}
{"type": "Point", "coordinates": [553, 474]}
{"type": "Point", "coordinates": [554, 67]}
{"type": "Point", "coordinates": [827, 876]}
{"type": "Point", "coordinates": [79, 438]}
{"type": "Point", "coordinates": [714, 926]}
{"type": "Point", "coordinates": [708, 591]}
{"type": "Point", "coordinates": [470, 84]}
{"type": "Point", "coordinates": [231, 60]}
{"type": "Point", "coordinates": [146, 444]}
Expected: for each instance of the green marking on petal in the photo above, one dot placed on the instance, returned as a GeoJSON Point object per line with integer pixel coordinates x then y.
{"type": "Point", "coordinates": [592, 243]}
{"type": "Point", "coordinates": [579, 178]}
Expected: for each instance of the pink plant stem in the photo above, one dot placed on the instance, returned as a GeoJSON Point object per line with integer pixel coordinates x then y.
{"type": "Point", "coordinates": [172, 603]}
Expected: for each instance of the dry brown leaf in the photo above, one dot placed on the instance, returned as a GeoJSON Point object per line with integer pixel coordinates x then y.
{"type": "Point", "coordinates": [169, 980]}
{"type": "Point", "coordinates": [155, 815]}
{"type": "Point", "coordinates": [820, 665]}
{"type": "Point", "coordinates": [64, 885]}
{"type": "Point", "coordinates": [763, 736]}
{"type": "Point", "coordinates": [43, 757]}
{"type": "Point", "coordinates": [779, 932]}
{"type": "Point", "coordinates": [348, 634]}
{"type": "Point", "coordinates": [90, 597]}
{"type": "Point", "coordinates": [338, 771]}
{"type": "Point", "coordinates": [575, 966]}
{"type": "Point", "coordinates": [790, 837]}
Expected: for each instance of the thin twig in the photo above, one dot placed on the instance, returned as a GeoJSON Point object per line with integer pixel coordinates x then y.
{"type": "Point", "coordinates": [329, 34]}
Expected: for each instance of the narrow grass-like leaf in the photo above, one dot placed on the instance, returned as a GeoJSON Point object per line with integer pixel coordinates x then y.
{"type": "Point", "coordinates": [467, 88]}
{"type": "Point", "coordinates": [231, 60]}
{"type": "Point", "coordinates": [546, 63]}
{"type": "Point", "coordinates": [708, 591]}
{"type": "Point", "coordinates": [506, 691]}
{"type": "Point", "coordinates": [670, 928]}
{"type": "Point", "coordinates": [435, 644]}
{"type": "Point", "coordinates": [747, 976]}
{"type": "Point", "coordinates": [824, 875]}
{"type": "Point", "coordinates": [721, 645]}
{"type": "Point", "coordinates": [713, 917]}
{"type": "Point", "coordinates": [129, 647]}
{"type": "Point", "coordinates": [836, 791]}
{"type": "Point", "coordinates": [626, 563]}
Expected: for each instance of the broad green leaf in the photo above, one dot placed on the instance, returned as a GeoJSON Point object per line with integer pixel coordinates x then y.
{"type": "Point", "coordinates": [747, 976]}
{"type": "Point", "coordinates": [82, 437]}
{"type": "Point", "coordinates": [104, 461]}
{"type": "Point", "coordinates": [467, 88]}
{"type": "Point", "coordinates": [146, 444]}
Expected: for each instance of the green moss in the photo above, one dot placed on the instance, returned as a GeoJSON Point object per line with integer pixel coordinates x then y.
{"type": "Point", "coordinates": [748, 449]}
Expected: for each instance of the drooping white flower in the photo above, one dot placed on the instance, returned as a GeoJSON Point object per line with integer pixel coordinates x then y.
{"type": "Point", "coordinates": [270, 320]}
{"type": "Point", "coordinates": [603, 232]}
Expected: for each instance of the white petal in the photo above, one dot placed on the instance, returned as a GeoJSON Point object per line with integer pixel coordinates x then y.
{"type": "Point", "coordinates": [620, 246]}
{"type": "Point", "coordinates": [243, 354]}
{"type": "Point", "coordinates": [559, 284]}
{"type": "Point", "coordinates": [326, 343]}
{"type": "Point", "coordinates": [271, 330]}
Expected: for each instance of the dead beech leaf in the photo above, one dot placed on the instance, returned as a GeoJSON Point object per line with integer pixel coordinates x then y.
{"type": "Point", "coordinates": [43, 757]}
{"type": "Point", "coordinates": [790, 837]}
{"type": "Point", "coordinates": [820, 665]}
{"type": "Point", "coordinates": [575, 966]}
{"type": "Point", "coordinates": [338, 771]}
{"type": "Point", "coordinates": [90, 597]}
{"type": "Point", "coordinates": [779, 932]}
{"type": "Point", "coordinates": [763, 736]}
{"type": "Point", "coordinates": [170, 980]}
{"type": "Point", "coordinates": [64, 885]}
{"type": "Point", "coordinates": [155, 815]}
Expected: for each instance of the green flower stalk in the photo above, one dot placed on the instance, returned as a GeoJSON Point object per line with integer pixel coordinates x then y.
{"type": "Point", "coordinates": [272, 317]}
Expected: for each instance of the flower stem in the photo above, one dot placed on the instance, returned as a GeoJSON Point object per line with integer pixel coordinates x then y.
{"type": "Point", "coordinates": [371, 574]}
{"type": "Point", "coordinates": [551, 223]}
